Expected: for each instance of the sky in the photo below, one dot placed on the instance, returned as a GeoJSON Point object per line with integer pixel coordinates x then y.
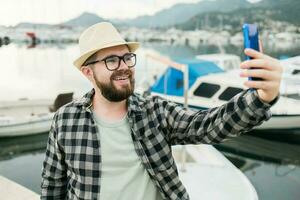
{"type": "Point", "coordinates": [13, 12]}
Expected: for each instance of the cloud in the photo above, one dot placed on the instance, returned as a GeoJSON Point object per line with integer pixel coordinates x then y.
{"type": "Point", "coordinates": [55, 11]}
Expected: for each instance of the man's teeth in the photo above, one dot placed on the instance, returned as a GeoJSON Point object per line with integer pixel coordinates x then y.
{"type": "Point", "coordinates": [121, 78]}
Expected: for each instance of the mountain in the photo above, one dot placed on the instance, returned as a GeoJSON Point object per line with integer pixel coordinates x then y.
{"type": "Point", "coordinates": [286, 10]}
{"type": "Point", "coordinates": [180, 13]}
{"type": "Point", "coordinates": [84, 20]}
{"type": "Point", "coordinates": [32, 25]}
{"type": "Point", "coordinates": [260, 13]}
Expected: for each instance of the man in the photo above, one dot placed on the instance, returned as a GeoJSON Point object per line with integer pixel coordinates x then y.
{"type": "Point", "coordinates": [114, 145]}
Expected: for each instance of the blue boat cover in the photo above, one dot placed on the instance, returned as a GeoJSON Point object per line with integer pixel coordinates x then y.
{"type": "Point", "coordinates": [171, 81]}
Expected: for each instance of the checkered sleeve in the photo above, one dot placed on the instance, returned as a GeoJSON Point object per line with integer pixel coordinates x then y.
{"type": "Point", "coordinates": [54, 179]}
{"type": "Point", "coordinates": [240, 114]}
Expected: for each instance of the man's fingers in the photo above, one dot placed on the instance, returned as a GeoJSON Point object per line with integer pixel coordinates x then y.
{"type": "Point", "coordinates": [260, 73]}
{"type": "Point", "coordinates": [254, 54]}
{"type": "Point", "coordinates": [264, 85]}
{"type": "Point", "coordinates": [260, 63]}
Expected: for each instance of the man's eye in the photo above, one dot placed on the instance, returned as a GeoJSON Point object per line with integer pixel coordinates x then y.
{"type": "Point", "coordinates": [112, 60]}
{"type": "Point", "coordinates": [129, 57]}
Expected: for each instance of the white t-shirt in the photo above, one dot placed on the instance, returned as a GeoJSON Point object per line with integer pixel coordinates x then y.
{"type": "Point", "coordinates": [123, 174]}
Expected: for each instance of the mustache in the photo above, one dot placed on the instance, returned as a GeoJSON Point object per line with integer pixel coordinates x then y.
{"type": "Point", "coordinates": [122, 72]}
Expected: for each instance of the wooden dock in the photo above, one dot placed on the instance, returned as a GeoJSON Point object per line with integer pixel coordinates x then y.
{"type": "Point", "coordinates": [14, 191]}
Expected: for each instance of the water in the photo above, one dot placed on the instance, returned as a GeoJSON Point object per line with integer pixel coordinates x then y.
{"type": "Point", "coordinates": [274, 176]}
{"type": "Point", "coordinates": [45, 71]}
{"type": "Point", "coordinates": [272, 181]}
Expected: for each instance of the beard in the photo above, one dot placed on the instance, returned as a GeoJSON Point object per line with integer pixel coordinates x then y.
{"type": "Point", "coordinates": [113, 94]}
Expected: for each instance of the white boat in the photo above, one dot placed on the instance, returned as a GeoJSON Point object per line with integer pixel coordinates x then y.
{"type": "Point", "coordinates": [291, 75]}
{"type": "Point", "coordinates": [207, 174]}
{"type": "Point", "coordinates": [28, 117]}
{"type": "Point", "coordinates": [216, 89]}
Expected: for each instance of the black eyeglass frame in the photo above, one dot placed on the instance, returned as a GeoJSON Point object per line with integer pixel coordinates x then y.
{"type": "Point", "coordinates": [120, 58]}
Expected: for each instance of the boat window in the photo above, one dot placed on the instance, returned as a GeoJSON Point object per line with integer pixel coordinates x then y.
{"type": "Point", "coordinates": [179, 83]}
{"type": "Point", "coordinates": [229, 93]}
{"type": "Point", "coordinates": [206, 90]}
{"type": "Point", "coordinates": [296, 71]}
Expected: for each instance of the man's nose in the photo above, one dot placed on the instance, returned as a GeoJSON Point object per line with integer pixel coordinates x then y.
{"type": "Point", "coordinates": [123, 65]}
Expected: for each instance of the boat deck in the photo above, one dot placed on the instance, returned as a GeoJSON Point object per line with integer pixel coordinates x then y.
{"type": "Point", "coordinates": [13, 191]}
{"type": "Point", "coordinates": [205, 172]}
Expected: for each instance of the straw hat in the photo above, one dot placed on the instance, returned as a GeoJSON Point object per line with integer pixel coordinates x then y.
{"type": "Point", "coordinates": [100, 36]}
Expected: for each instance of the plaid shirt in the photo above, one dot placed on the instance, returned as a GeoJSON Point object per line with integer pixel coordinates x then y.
{"type": "Point", "coordinates": [72, 166]}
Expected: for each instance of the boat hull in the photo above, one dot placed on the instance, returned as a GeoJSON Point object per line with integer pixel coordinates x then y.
{"type": "Point", "coordinates": [26, 128]}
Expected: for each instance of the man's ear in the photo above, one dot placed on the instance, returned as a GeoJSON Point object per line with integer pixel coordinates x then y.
{"type": "Point", "coordinates": [87, 72]}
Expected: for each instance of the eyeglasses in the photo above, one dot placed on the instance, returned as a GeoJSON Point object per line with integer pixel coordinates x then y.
{"type": "Point", "coordinates": [113, 62]}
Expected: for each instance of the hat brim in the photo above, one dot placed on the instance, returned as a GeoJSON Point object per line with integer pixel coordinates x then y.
{"type": "Point", "coordinates": [133, 46]}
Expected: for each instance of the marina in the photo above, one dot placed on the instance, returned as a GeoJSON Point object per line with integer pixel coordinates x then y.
{"type": "Point", "coordinates": [190, 53]}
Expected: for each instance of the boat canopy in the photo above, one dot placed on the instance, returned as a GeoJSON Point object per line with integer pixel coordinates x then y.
{"type": "Point", "coordinates": [171, 81]}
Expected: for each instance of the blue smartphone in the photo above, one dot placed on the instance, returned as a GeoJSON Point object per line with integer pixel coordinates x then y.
{"type": "Point", "coordinates": [250, 32]}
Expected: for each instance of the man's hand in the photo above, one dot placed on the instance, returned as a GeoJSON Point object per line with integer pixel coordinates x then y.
{"type": "Point", "coordinates": [268, 68]}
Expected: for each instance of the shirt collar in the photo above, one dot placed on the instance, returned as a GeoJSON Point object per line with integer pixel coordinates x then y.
{"type": "Point", "coordinates": [86, 100]}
